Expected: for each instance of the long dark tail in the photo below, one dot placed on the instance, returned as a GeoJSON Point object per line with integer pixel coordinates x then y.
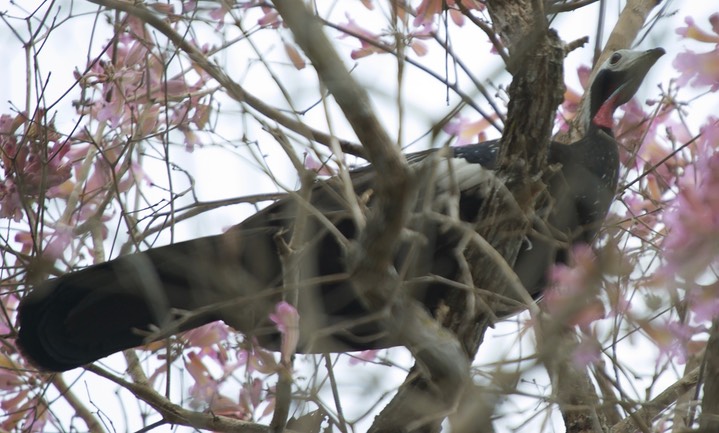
{"type": "Point", "coordinates": [83, 316]}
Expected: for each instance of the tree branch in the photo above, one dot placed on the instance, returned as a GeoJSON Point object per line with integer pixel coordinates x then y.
{"type": "Point", "coordinates": [709, 421]}
{"type": "Point", "coordinates": [436, 350]}
{"type": "Point", "coordinates": [92, 423]}
{"type": "Point", "coordinates": [174, 414]}
{"type": "Point", "coordinates": [657, 405]}
{"type": "Point", "coordinates": [536, 55]}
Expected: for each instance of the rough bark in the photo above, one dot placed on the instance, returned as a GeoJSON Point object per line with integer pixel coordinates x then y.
{"type": "Point", "coordinates": [650, 410]}
{"type": "Point", "coordinates": [576, 395]}
{"type": "Point", "coordinates": [709, 421]}
{"type": "Point", "coordinates": [438, 353]}
{"type": "Point", "coordinates": [536, 56]}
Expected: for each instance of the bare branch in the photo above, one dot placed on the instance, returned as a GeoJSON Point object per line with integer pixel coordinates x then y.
{"type": "Point", "coordinates": [657, 405]}
{"type": "Point", "coordinates": [709, 421]}
{"type": "Point", "coordinates": [435, 349]}
{"type": "Point", "coordinates": [92, 423]}
{"type": "Point", "coordinates": [174, 414]}
{"type": "Point", "coordinates": [568, 6]}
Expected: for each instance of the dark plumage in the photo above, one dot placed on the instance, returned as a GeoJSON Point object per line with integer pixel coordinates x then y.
{"type": "Point", "coordinates": [237, 276]}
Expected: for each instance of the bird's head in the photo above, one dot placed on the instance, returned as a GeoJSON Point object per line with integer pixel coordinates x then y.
{"type": "Point", "coordinates": [616, 82]}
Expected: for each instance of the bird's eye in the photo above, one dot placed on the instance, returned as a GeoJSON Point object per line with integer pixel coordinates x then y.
{"type": "Point", "coordinates": [615, 58]}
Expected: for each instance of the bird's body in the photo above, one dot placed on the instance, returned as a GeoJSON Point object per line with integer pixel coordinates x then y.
{"type": "Point", "coordinates": [237, 276]}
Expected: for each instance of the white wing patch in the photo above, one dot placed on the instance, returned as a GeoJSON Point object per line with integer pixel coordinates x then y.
{"type": "Point", "coordinates": [461, 174]}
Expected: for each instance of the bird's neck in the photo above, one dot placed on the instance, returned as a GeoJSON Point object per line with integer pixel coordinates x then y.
{"type": "Point", "coordinates": [602, 101]}
{"type": "Point", "coordinates": [598, 152]}
{"type": "Point", "coordinates": [600, 128]}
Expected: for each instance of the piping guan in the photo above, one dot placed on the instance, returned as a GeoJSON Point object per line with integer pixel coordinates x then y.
{"type": "Point", "coordinates": [237, 276]}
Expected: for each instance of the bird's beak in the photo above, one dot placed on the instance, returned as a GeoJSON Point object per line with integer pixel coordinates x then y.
{"type": "Point", "coordinates": [636, 69]}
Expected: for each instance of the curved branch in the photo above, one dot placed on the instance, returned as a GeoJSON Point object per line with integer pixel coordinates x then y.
{"type": "Point", "coordinates": [92, 423]}
{"type": "Point", "coordinates": [436, 350]}
{"type": "Point", "coordinates": [654, 407]}
{"type": "Point", "coordinates": [709, 420]}
{"type": "Point", "coordinates": [174, 414]}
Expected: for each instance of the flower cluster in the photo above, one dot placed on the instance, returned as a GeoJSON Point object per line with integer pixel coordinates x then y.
{"type": "Point", "coordinates": [699, 69]}
{"type": "Point", "coordinates": [423, 27]}
{"type": "Point", "coordinates": [33, 158]}
{"type": "Point", "coordinates": [692, 243]}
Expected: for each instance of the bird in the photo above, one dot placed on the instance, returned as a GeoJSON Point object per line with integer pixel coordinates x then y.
{"type": "Point", "coordinates": [237, 276]}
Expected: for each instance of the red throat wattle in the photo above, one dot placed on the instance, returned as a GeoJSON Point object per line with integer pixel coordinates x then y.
{"type": "Point", "coordinates": [605, 116]}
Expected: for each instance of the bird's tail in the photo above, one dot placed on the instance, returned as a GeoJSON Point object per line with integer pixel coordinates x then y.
{"type": "Point", "coordinates": [83, 316]}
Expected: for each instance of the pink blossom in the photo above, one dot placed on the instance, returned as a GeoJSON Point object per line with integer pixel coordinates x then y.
{"type": "Point", "coordinates": [191, 139]}
{"type": "Point", "coordinates": [10, 201]}
{"type": "Point", "coordinates": [287, 320]}
{"type": "Point", "coordinates": [467, 131]}
{"type": "Point", "coordinates": [428, 9]}
{"type": "Point", "coordinates": [111, 112]}
{"type": "Point", "coordinates": [205, 386]}
{"type": "Point", "coordinates": [132, 177]}
{"type": "Point", "coordinates": [704, 302]}
{"type": "Point", "coordinates": [587, 352]}
{"type": "Point", "coordinates": [219, 13]}
{"type": "Point", "coordinates": [353, 29]}
{"type": "Point", "coordinates": [692, 220]}
{"type": "Point", "coordinates": [205, 392]}
{"type": "Point", "coordinates": [253, 394]}
{"type": "Point", "coordinates": [674, 338]}
{"type": "Point", "coordinates": [257, 359]}
{"type": "Point", "coordinates": [254, 391]}
{"type": "Point", "coordinates": [693, 31]}
{"type": "Point", "coordinates": [321, 168]}
{"type": "Point", "coordinates": [270, 19]}
{"type": "Point", "coordinates": [189, 6]}
{"type": "Point", "coordinates": [698, 69]}
{"type": "Point", "coordinates": [59, 241]}
{"type": "Point", "coordinates": [24, 414]}
{"type": "Point", "coordinates": [419, 47]}
{"type": "Point", "coordinates": [25, 239]}
{"type": "Point", "coordinates": [163, 8]}
{"type": "Point", "coordinates": [207, 335]}
{"type": "Point", "coordinates": [271, 403]}
{"type": "Point", "coordinates": [364, 356]}
{"type": "Point", "coordinates": [653, 151]}
{"type": "Point", "coordinates": [201, 115]}
{"type": "Point", "coordinates": [9, 379]}
{"type": "Point", "coordinates": [295, 57]}
{"type": "Point", "coordinates": [9, 301]}
{"type": "Point", "coordinates": [35, 159]}
{"type": "Point", "coordinates": [573, 294]}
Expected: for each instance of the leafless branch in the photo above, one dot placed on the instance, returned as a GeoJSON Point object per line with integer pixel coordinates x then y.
{"type": "Point", "coordinates": [93, 424]}
{"type": "Point", "coordinates": [709, 421]}
{"type": "Point", "coordinates": [434, 348]}
{"type": "Point", "coordinates": [174, 414]}
{"type": "Point", "coordinates": [657, 405]}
